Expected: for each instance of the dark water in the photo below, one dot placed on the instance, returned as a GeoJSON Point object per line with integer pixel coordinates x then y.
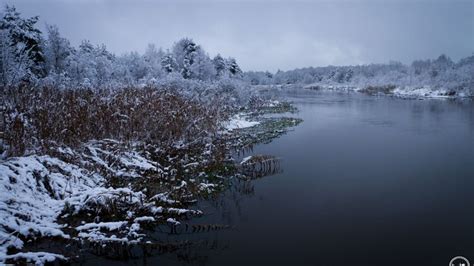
{"type": "Point", "coordinates": [366, 181]}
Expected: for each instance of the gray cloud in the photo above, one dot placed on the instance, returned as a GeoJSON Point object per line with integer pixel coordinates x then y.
{"type": "Point", "coordinates": [271, 35]}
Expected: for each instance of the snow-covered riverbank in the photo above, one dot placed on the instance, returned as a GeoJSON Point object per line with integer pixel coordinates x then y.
{"type": "Point", "coordinates": [70, 195]}
{"type": "Point", "coordinates": [406, 92]}
{"type": "Point", "coordinates": [35, 190]}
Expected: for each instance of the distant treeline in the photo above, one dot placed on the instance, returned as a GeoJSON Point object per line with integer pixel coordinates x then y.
{"type": "Point", "coordinates": [441, 73]}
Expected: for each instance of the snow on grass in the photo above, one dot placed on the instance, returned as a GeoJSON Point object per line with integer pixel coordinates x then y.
{"type": "Point", "coordinates": [271, 103]}
{"type": "Point", "coordinates": [100, 196]}
{"type": "Point", "coordinates": [110, 226]}
{"type": "Point", "coordinates": [94, 232]}
{"type": "Point", "coordinates": [205, 187]}
{"type": "Point", "coordinates": [244, 160]}
{"type": "Point", "coordinates": [164, 197]}
{"type": "Point", "coordinates": [133, 159]}
{"type": "Point", "coordinates": [34, 191]}
{"type": "Point", "coordinates": [114, 159]}
{"type": "Point", "coordinates": [181, 211]}
{"type": "Point", "coordinates": [97, 236]}
{"type": "Point", "coordinates": [144, 219]}
{"type": "Point", "coordinates": [173, 221]}
{"type": "Point", "coordinates": [38, 258]}
{"type": "Point", "coordinates": [239, 121]}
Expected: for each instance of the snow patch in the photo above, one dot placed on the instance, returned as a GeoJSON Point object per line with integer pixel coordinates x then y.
{"type": "Point", "coordinates": [38, 258]}
{"type": "Point", "coordinates": [246, 159]}
{"type": "Point", "coordinates": [206, 187]}
{"type": "Point", "coordinates": [173, 221]}
{"type": "Point", "coordinates": [239, 121]}
{"type": "Point", "coordinates": [110, 226]}
{"type": "Point", "coordinates": [144, 219]}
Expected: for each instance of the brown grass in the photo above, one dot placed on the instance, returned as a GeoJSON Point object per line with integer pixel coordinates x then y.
{"type": "Point", "coordinates": [36, 118]}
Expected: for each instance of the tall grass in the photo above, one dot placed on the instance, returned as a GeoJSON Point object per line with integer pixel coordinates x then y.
{"type": "Point", "coordinates": [34, 119]}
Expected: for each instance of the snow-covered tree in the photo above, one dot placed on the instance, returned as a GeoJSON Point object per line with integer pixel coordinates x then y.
{"type": "Point", "coordinates": [202, 67]}
{"type": "Point", "coordinates": [136, 66]}
{"type": "Point", "coordinates": [219, 65]}
{"type": "Point", "coordinates": [441, 64]}
{"type": "Point", "coordinates": [233, 67]}
{"type": "Point", "coordinates": [13, 67]}
{"type": "Point", "coordinates": [24, 57]}
{"type": "Point", "coordinates": [24, 37]}
{"type": "Point", "coordinates": [420, 66]}
{"type": "Point", "coordinates": [91, 65]}
{"type": "Point", "coordinates": [185, 52]}
{"type": "Point", "coordinates": [153, 58]}
{"type": "Point", "coordinates": [56, 50]}
{"type": "Point", "coordinates": [168, 63]}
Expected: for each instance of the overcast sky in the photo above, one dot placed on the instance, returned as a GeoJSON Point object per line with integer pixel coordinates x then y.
{"type": "Point", "coordinates": [271, 34]}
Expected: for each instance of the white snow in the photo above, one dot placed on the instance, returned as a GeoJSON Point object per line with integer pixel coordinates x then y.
{"type": "Point", "coordinates": [423, 92]}
{"type": "Point", "coordinates": [110, 226]}
{"type": "Point", "coordinates": [35, 189]}
{"type": "Point", "coordinates": [206, 187]}
{"type": "Point", "coordinates": [155, 210]}
{"type": "Point", "coordinates": [144, 219]}
{"type": "Point", "coordinates": [38, 258]}
{"type": "Point", "coordinates": [246, 159]}
{"type": "Point", "coordinates": [164, 197]}
{"type": "Point", "coordinates": [114, 162]}
{"type": "Point", "coordinates": [32, 195]}
{"type": "Point", "coordinates": [97, 236]}
{"type": "Point", "coordinates": [101, 196]}
{"type": "Point", "coordinates": [239, 121]}
{"type": "Point", "coordinates": [173, 221]}
{"type": "Point", "coordinates": [180, 211]}
{"type": "Point", "coordinates": [271, 103]}
{"type": "Point", "coordinates": [133, 159]}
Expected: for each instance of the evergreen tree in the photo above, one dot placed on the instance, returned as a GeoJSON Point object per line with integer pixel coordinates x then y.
{"type": "Point", "coordinates": [233, 67]}
{"type": "Point", "coordinates": [185, 52]}
{"type": "Point", "coordinates": [219, 65]}
{"type": "Point", "coordinates": [168, 63]}
{"type": "Point", "coordinates": [25, 39]}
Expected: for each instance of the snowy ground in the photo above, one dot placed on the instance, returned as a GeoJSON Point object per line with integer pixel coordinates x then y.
{"type": "Point", "coordinates": [35, 190]}
{"type": "Point", "coordinates": [239, 121]}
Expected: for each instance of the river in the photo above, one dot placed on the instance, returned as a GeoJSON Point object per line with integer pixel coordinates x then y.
{"type": "Point", "coordinates": [366, 180]}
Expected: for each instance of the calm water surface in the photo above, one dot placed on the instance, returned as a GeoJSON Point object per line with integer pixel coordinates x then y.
{"type": "Point", "coordinates": [366, 181]}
